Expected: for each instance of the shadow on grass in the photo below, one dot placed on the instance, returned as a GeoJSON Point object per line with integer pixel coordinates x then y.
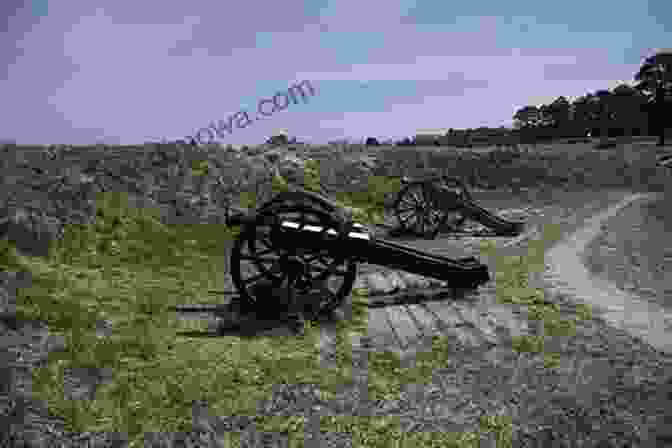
{"type": "Point", "coordinates": [224, 320]}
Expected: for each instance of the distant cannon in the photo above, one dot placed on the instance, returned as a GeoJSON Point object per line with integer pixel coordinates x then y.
{"type": "Point", "coordinates": [425, 206]}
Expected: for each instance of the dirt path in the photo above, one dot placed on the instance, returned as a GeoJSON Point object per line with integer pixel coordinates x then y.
{"type": "Point", "coordinates": [568, 274]}
{"type": "Point", "coordinates": [634, 251]}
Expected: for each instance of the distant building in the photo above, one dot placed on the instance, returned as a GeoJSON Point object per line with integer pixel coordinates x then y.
{"type": "Point", "coordinates": [429, 136]}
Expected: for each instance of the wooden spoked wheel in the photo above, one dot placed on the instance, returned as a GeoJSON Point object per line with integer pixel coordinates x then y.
{"type": "Point", "coordinates": [424, 207]}
{"type": "Point", "coordinates": [293, 247]}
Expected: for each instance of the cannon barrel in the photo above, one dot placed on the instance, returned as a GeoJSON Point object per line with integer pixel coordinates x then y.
{"type": "Point", "coordinates": [477, 213]}
{"type": "Point", "coordinates": [362, 247]}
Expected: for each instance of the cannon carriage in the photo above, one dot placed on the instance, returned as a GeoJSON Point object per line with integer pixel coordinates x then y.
{"type": "Point", "coordinates": [426, 206]}
{"type": "Point", "coordinates": [307, 245]}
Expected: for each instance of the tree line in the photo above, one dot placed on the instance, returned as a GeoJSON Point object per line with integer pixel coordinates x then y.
{"type": "Point", "coordinates": [641, 109]}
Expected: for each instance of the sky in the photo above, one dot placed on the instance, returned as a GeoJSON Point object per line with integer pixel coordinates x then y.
{"type": "Point", "coordinates": [129, 72]}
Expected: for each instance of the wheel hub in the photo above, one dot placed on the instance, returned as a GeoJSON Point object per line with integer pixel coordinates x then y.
{"type": "Point", "coordinates": [294, 265]}
{"type": "Point", "coordinates": [297, 271]}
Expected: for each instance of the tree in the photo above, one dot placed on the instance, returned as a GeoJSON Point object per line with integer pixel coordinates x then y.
{"type": "Point", "coordinates": [527, 116]}
{"type": "Point", "coordinates": [655, 81]}
{"type": "Point", "coordinates": [605, 116]}
{"type": "Point", "coordinates": [628, 106]}
{"type": "Point", "coordinates": [371, 141]}
{"type": "Point", "coordinates": [527, 119]}
{"type": "Point", "coordinates": [546, 121]}
{"type": "Point", "coordinates": [586, 114]}
{"type": "Point", "coordinates": [560, 115]}
{"type": "Point", "coordinates": [404, 142]}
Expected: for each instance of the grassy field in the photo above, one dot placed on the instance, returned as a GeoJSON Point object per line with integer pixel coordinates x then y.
{"type": "Point", "coordinates": [563, 166]}
{"type": "Point", "coordinates": [129, 269]}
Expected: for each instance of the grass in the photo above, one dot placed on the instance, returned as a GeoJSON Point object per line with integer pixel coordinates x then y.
{"type": "Point", "coordinates": [631, 165]}
{"type": "Point", "coordinates": [130, 269]}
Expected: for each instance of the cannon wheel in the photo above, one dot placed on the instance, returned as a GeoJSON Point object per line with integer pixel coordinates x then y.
{"type": "Point", "coordinates": [265, 254]}
{"type": "Point", "coordinates": [419, 209]}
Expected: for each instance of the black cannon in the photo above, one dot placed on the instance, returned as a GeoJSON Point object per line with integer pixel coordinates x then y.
{"type": "Point", "coordinates": [306, 244]}
{"type": "Point", "coordinates": [425, 206]}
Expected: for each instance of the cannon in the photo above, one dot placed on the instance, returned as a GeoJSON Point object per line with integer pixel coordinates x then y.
{"type": "Point", "coordinates": [425, 206]}
{"type": "Point", "coordinates": [306, 244]}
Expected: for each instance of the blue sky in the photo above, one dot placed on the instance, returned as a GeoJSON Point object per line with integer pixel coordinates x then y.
{"type": "Point", "coordinates": [128, 72]}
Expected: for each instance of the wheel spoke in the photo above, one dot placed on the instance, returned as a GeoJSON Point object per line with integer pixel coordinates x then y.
{"type": "Point", "coordinates": [410, 198]}
{"type": "Point", "coordinates": [405, 199]}
{"type": "Point", "coordinates": [426, 223]}
{"type": "Point", "coordinates": [276, 268]}
{"type": "Point", "coordinates": [312, 258]}
{"type": "Point", "coordinates": [438, 216]}
{"type": "Point", "coordinates": [260, 254]}
{"type": "Point", "coordinates": [266, 241]}
{"type": "Point", "coordinates": [423, 204]}
{"type": "Point", "coordinates": [406, 206]}
{"type": "Point", "coordinates": [421, 222]}
{"type": "Point", "coordinates": [308, 259]}
{"type": "Point", "coordinates": [418, 197]}
{"type": "Point", "coordinates": [323, 262]}
{"type": "Point", "coordinates": [405, 209]}
{"type": "Point", "coordinates": [265, 252]}
{"type": "Point", "coordinates": [316, 271]}
{"type": "Point", "coordinates": [406, 212]}
{"type": "Point", "coordinates": [255, 279]}
{"type": "Point", "coordinates": [338, 271]}
{"type": "Point", "coordinates": [409, 220]}
{"type": "Point", "coordinates": [403, 220]}
{"type": "Point", "coordinates": [326, 263]}
{"type": "Point", "coordinates": [258, 258]}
